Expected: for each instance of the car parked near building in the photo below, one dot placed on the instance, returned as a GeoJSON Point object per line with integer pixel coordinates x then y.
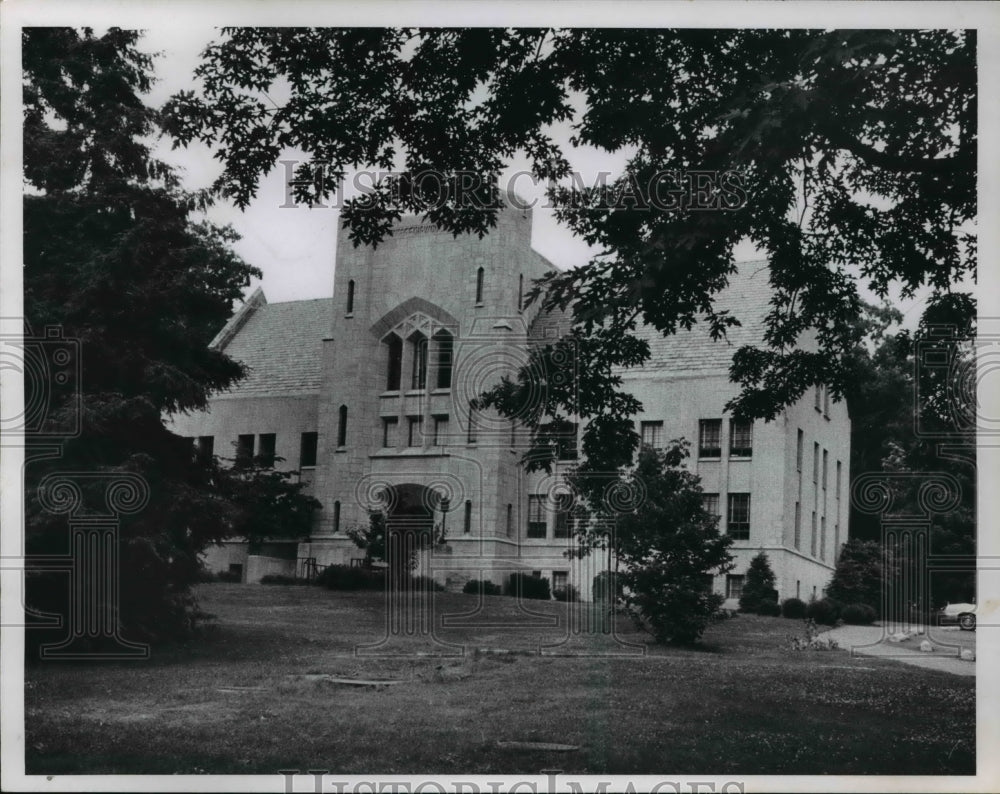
{"type": "Point", "coordinates": [962, 614]}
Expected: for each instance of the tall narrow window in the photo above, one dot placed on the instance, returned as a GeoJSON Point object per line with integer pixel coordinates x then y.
{"type": "Point", "coordinates": [390, 426]}
{"type": "Point", "coordinates": [798, 525]}
{"type": "Point", "coordinates": [825, 465]}
{"type": "Point", "coordinates": [418, 345]}
{"type": "Point", "coordinates": [822, 537]}
{"type": "Point", "coordinates": [265, 449]}
{"type": "Point", "coordinates": [415, 431]}
{"type": "Point", "coordinates": [652, 434]}
{"type": "Point", "coordinates": [206, 448]}
{"type": "Point", "coordinates": [307, 450]}
{"type": "Point", "coordinates": [536, 516]}
{"type": "Point", "coordinates": [710, 438]}
{"type": "Point", "coordinates": [739, 516]}
{"type": "Point", "coordinates": [710, 504]}
{"type": "Point", "coordinates": [394, 346]}
{"type": "Point", "coordinates": [520, 292]}
{"type": "Point", "coordinates": [838, 479]}
{"type": "Point", "coordinates": [818, 396]}
{"type": "Point", "coordinates": [445, 347]}
{"type": "Point", "coordinates": [440, 431]}
{"type": "Point", "coordinates": [734, 585]}
{"type": "Point", "coordinates": [741, 439]}
{"type": "Point", "coordinates": [350, 296]}
{"type": "Point", "coordinates": [815, 462]}
{"type": "Point", "coordinates": [342, 427]}
{"type": "Point", "coordinates": [826, 403]}
{"type": "Point", "coordinates": [468, 517]}
{"type": "Point", "coordinates": [563, 525]}
{"type": "Point", "coordinates": [244, 450]}
{"type": "Point", "coordinates": [471, 437]}
{"type": "Point", "coordinates": [480, 274]}
{"type": "Point", "coordinates": [812, 536]}
{"type": "Point", "coordinates": [445, 508]}
{"type": "Point", "coordinates": [798, 452]}
{"type": "Point", "coordinates": [336, 516]}
{"type": "Point", "coordinates": [510, 520]}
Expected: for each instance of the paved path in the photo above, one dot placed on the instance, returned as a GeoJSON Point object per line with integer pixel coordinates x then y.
{"type": "Point", "coordinates": [870, 641]}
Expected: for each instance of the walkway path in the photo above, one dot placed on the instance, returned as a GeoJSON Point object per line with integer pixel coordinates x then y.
{"type": "Point", "coordinates": [870, 641]}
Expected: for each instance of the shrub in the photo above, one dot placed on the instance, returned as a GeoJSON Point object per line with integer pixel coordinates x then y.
{"type": "Point", "coordinates": [524, 585]}
{"type": "Point", "coordinates": [343, 577]}
{"type": "Point", "coordinates": [486, 587]}
{"type": "Point", "coordinates": [769, 608]}
{"type": "Point", "coordinates": [858, 614]}
{"type": "Point", "coordinates": [280, 578]}
{"type": "Point", "coordinates": [230, 576]}
{"type": "Point", "coordinates": [567, 593]}
{"type": "Point", "coordinates": [759, 587]}
{"type": "Point", "coordinates": [421, 583]}
{"type": "Point", "coordinates": [793, 608]}
{"type": "Point", "coordinates": [606, 587]}
{"type": "Point", "coordinates": [826, 611]}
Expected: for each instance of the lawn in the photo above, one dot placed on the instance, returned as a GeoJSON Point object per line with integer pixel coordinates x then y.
{"type": "Point", "coordinates": [257, 694]}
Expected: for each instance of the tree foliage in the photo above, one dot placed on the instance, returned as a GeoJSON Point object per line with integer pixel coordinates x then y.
{"type": "Point", "coordinates": [666, 544]}
{"type": "Point", "coordinates": [858, 577]}
{"type": "Point", "coordinates": [870, 134]}
{"type": "Point", "coordinates": [114, 257]}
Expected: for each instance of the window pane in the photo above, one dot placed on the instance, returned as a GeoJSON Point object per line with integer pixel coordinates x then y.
{"type": "Point", "coordinates": [710, 438]}
{"type": "Point", "coordinates": [739, 516]}
{"type": "Point", "coordinates": [244, 450]}
{"type": "Point", "coordinates": [536, 516]}
{"type": "Point", "coordinates": [440, 430]}
{"type": "Point", "coordinates": [265, 449]}
{"type": "Point", "coordinates": [741, 439]}
{"type": "Point", "coordinates": [652, 435]}
{"type": "Point", "coordinates": [445, 350]}
{"type": "Point", "coordinates": [710, 502]}
{"type": "Point", "coordinates": [307, 449]}
{"type": "Point", "coordinates": [734, 585]}
{"type": "Point", "coordinates": [563, 523]}
{"type": "Point", "coordinates": [390, 428]}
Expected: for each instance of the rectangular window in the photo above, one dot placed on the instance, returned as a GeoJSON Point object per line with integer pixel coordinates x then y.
{"type": "Point", "coordinates": [815, 462]}
{"type": "Point", "coordinates": [536, 516]}
{"type": "Point", "coordinates": [560, 579]}
{"type": "Point", "coordinates": [812, 535]}
{"type": "Point", "coordinates": [818, 397]}
{"type": "Point", "coordinates": [510, 520]}
{"type": "Point", "coordinates": [445, 353]}
{"type": "Point", "coordinates": [206, 448]}
{"type": "Point", "coordinates": [710, 438]}
{"type": "Point", "coordinates": [265, 449]}
{"type": "Point", "coordinates": [798, 452]}
{"type": "Point", "coordinates": [440, 430]}
{"type": "Point", "coordinates": [798, 525]}
{"type": "Point", "coordinates": [710, 503]}
{"type": "Point", "coordinates": [838, 479]}
{"type": "Point", "coordinates": [652, 435]}
{"type": "Point", "coordinates": [244, 450]}
{"type": "Point", "coordinates": [734, 585]}
{"type": "Point", "coordinates": [825, 464]}
{"type": "Point", "coordinates": [739, 516]}
{"type": "Point", "coordinates": [826, 402]}
{"type": "Point", "coordinates": [467, 520]}
{"type": "Point", "coordinates": [390, 431]}
{"type": "Point", "coordinates": [415, 431]}
{"type": "Point", "coordinates": [308, 444]}
{"type": "Point", "coordinates": [822, 538]}
{"type": "Point", "coordinates": [741, 439]}
{"type": "Point", "coordinates": [561, 435]}
{"type": "Point", "coordinates": [563, 524]}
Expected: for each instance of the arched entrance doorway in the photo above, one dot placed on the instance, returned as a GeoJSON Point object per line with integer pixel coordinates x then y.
{"type": "Point", "coordinates": [409, 525]}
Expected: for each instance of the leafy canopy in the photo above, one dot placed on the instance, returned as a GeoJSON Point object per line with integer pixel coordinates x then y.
{"type": "Point", "coordinates": [855, 151]}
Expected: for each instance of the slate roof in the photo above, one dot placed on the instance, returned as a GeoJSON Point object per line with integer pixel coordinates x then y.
{"type": "Point", "coordinates": [695, 352]}
{"type": "Point", "coordinates": [281, 343]}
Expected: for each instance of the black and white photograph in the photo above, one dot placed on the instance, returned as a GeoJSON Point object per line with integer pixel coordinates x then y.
{"type": "Point", "coordinates": [484, 397]}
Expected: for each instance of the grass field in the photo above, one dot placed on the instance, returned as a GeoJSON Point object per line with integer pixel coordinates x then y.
{"type": "Point", "coordinates": [254, 695]}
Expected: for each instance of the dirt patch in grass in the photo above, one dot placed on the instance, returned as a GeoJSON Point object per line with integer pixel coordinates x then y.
{"type": "Point", "coordinates": [259, 693]}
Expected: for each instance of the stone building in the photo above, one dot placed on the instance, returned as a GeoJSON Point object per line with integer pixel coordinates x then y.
{"type": "Point", "coordinates": [367, 394]}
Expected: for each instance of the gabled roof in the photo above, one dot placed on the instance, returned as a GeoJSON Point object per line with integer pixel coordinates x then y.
{"type": "Point", "coordinates": [281, 344]}
{"type": "Point", "coordinates": [747, 298]}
